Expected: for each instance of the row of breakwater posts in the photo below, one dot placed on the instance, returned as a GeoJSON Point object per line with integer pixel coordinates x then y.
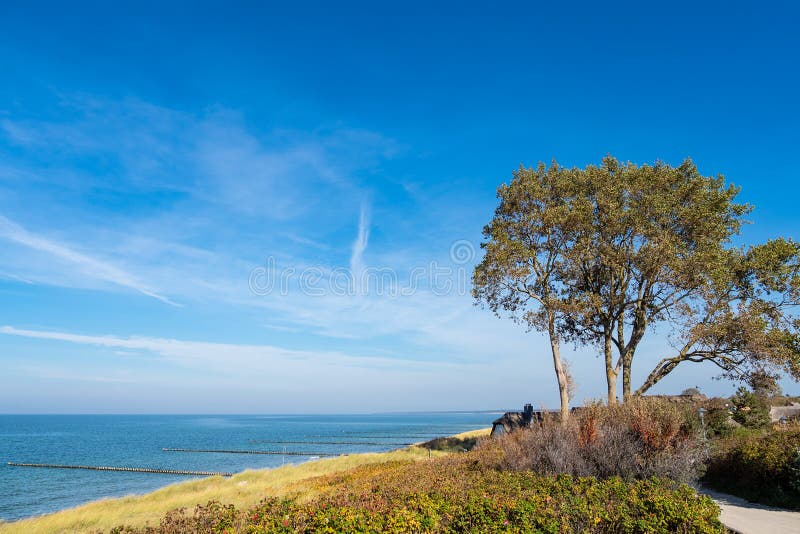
{"type": "Point", "coordinates": [172, 471]}
{"type": "Point", "coordinates": [201, 473]}
{"type": "Point", "coordinates": [128, 469]}
{"type": "Point", "coordinates": [297, 442]}
{"type": "Point", "coordinates": [276, 453]}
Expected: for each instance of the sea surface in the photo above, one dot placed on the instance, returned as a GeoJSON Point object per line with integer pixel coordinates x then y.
{"type": "Point", "coordinates": [138, 440]}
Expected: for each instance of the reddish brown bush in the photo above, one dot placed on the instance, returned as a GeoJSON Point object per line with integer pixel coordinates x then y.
{"type": "Point", "coordinates": [637, 440]}
{"type": "Point", "coordinates": [587, 428]}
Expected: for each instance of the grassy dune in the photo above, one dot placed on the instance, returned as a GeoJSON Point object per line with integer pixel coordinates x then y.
{"type": "Point", "coordinates": [243, 489]}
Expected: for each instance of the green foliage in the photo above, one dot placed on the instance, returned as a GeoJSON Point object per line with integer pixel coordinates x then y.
{"type": "Point", "coordinates": [752, 411]}
{"type": "Point", "coordinates": [457, 495]}
{"type": "Point", "coordinates": [764, 384]}
{"type": "Point", "coordinates": [718, 418]}
{"type": "Point", "coordinates": [526, 247]}
{"type": "Point", "coordinates": [760, 468]}
{"type": "Point", "coordinates": [794, 472]}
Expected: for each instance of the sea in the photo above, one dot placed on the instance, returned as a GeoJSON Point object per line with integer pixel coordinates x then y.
{"type": "Point", "coordinates": [139, 440]}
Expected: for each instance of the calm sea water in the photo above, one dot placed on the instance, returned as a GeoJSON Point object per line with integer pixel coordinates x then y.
{"type": "Point", "coordinates": [137, 440]}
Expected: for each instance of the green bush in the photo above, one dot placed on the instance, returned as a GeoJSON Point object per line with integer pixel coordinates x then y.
{"type": "Point", "coordinates": [760, 468]}
{"type": "Point", "coordinates": [752, 411]}
{"type": "Point", "coordinates": [718, 418]}
{"type": "Point", "coordinates": [459, 494]}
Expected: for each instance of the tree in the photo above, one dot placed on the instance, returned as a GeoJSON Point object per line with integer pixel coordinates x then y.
{"type": "Point", "coordinates": [526, 245]}
{"type": "Point", "coordinates": [752, 411]}
{"type": "Point", "coordinates": [600, 255]}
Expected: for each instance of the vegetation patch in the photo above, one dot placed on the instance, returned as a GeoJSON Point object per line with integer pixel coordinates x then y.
{"type": "Point", "coordinates": [460, 494]}
{"type": "Point", "coordinates": [760, 468]}
{"type": "Point", "coordinates": [637, 440]}
{"type": "Point", "coordinates": [451, 444]}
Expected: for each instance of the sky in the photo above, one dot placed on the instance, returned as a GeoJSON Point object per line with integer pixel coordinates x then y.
{"type": "Point", "coordinates": [187, 190]}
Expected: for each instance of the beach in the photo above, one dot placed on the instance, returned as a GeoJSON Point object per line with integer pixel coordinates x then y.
{"type": "Point", "coordinates": [137, 441]}
{"type": "Point", "coordinates": [242, 489]}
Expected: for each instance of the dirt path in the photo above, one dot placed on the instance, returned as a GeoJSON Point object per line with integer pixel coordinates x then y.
{"type": "Point", "coordinates": [748, 518]}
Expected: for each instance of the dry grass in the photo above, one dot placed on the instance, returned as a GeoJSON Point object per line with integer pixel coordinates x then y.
{"type": "Point", "coordinates": [243, 489]}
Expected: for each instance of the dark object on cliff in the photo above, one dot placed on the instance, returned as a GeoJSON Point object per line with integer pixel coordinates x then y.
{"type": "Point", "coordinates": [512, 421]}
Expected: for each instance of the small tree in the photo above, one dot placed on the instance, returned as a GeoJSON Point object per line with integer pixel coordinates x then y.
{"type": "Point", "coordinates": [718, 417]}
{"type": "Point", "coordinates": [752, 411]}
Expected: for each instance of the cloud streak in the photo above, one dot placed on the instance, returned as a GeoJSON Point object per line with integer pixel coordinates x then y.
{"type": "Point", "coordinates": [13, 232]}
{"type": "Point", "coordinates": [359, 246]}
{"type": "Point", "coordinates": [192, 353]}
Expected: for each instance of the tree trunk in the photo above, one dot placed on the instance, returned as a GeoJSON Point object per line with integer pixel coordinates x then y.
{"type": "Point", "coordinates": [561, 376]}
{"type": "Point", "coordinates": [624, 358]}
{"type": "Point", "coordinates": [661, 370]}
{"type": "Point", "coordinates": [626, 354]}
{"type": "Point", "coordinates": [611, 371]}
{"type": "Point", "coordinates": [627, 360]}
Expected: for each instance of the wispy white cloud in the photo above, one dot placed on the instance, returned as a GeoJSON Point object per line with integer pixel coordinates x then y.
{"type": "Point", "coordinates": [213, 156]}
{"type": "Point", "coordinates": [306, 241]}
{"type": "Point", "coordinates": [94, 267]}
{"type": "Point", "coordinates": [210, 354]}
{"type": "Point", "coordinates": [185, 180]}
{"type": "Point", "coordinates": [17, 278]}
{"type": "Point", "coordinates": [360, 246]}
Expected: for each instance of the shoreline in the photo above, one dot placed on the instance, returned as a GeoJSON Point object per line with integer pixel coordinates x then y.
{"type": "Point", "coordinates": [243, 488]}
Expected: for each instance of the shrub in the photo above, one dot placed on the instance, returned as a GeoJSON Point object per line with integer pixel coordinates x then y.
{"type": "Point", "coordinates": [459, 494]}
{"type": "Point", "coordinates": [760, 468]}
{"type": "Point", "coordinates": [637, 440]}
{"type": "Point", "coordinates": [752, 411]}
{"type": "Point", "coordinates": [451, 444]}
{"type": "Point", "coordinates": [718, 418]}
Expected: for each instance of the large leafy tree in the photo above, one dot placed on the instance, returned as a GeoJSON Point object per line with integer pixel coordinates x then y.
{"type": "Point", "coordinates": [602, 254]}
{"type": "Point", "coordinates": [526, 245]}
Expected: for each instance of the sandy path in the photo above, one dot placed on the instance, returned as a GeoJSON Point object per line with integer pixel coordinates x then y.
{"type": "Point", "coordinates": [749, 518]}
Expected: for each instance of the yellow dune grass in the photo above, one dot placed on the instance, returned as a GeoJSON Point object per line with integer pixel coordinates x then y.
{"type": "Point", "coordinates": [243, 489]}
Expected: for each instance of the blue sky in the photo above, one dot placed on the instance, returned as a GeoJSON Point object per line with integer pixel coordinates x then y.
{"type": "Point", "coordinates": [157, 160]}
